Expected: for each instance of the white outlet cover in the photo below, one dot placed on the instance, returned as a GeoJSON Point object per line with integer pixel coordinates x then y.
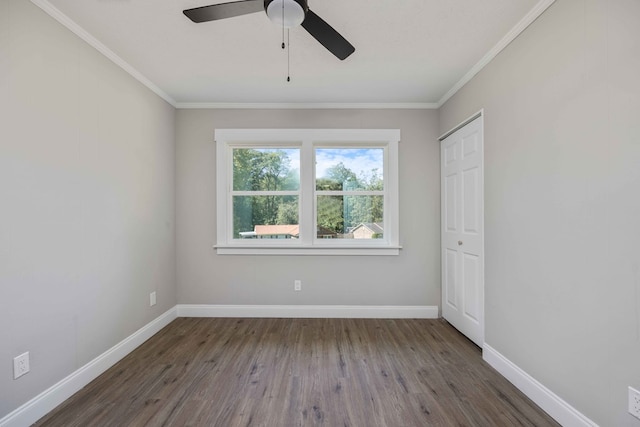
{"type": "Point", "coordinates": [20, 365]}
{"type": "Point", "coordinates": [152, 299]}
{"type": "Point", "coordinates": [634, 402]}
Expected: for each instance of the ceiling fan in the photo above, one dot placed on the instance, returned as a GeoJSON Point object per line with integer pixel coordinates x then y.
{"type": "Point", "coordinates": [288, 13]}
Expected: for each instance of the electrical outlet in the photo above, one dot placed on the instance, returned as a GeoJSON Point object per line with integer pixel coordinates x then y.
{"type": "Point", "coordinates": [634, 402]}
{"type": "Point", "coordinates": [152, 299]}
{"type": "Point", "coordinates": [297, 285]}
{"type": "Point", "coordinates": [20, 365]}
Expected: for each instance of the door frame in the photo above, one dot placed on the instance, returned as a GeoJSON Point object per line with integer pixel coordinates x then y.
{"type": "Point", "coordinates": [473, 117]}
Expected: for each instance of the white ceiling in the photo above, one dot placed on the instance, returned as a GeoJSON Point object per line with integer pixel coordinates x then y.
{"type": "Point", "coordinates": [407, 51]}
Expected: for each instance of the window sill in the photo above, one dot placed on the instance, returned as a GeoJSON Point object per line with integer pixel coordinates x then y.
{"type": "Point", "coordinates": [308, 250]}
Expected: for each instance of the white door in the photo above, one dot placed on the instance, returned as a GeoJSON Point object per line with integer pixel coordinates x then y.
{"type": "Point", "coordinates": [462, 183]}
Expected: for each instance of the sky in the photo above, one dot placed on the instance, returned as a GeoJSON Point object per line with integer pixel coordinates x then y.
{"type": "Point", "coordinates": [357, 159]}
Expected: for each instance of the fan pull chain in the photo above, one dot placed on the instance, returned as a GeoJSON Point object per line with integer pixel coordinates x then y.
{"type": "Point", "coordinates": [288, 57]}
{"type": "Point", "coordinates": [287, 45]}
{"type": "Point", "coordinates": [283, 24]}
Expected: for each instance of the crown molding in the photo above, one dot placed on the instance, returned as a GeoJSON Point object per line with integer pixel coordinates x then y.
{"type": "Point", "coordinates": [307, 106]}
{"type": "Point", "coordinates": [533, 14]}
{"type": "Point", "coordinates": [63, 19]}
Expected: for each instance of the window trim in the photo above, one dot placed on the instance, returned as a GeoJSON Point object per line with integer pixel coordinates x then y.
{"type": "Point", "coordinates": [307, 140]}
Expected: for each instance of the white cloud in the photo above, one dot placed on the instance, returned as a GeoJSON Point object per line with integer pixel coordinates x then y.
{"type": "Point", "coordinates": [357, 159]}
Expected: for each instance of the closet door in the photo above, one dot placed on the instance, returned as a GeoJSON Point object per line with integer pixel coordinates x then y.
{"type": "Point", "coordinates": [463, 230]}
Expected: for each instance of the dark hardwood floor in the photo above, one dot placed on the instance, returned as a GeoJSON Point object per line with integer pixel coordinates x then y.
{"type": "Point", "coordinates": [301, 372]}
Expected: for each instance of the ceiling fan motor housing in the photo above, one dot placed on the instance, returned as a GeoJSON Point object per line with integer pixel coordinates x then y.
{"type": "Point", "coordinates": [288, 13]}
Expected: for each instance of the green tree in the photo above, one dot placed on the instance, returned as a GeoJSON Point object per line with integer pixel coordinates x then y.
{"type": "Point", "coordinates": [330, 208]}
{"type": "Point", "coordinates": [343, 177]}
{"type": "Point", "coordinates": [270, 170]}
{"type": "Point", "coordinates": [263, 170]}
{"type": "Point", "coordinates": [368, 208]}
{"type": "Point", "coordinates": [288, 213]}
{"type": "Point", "coordinates": [340, 213]}
{"type": "Point", "coordinates": [371, 181]}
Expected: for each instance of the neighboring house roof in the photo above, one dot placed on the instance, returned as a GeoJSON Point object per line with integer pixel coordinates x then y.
{"type": "Point", "coordinates": [270, 230]}
{"type": "Point", "coordinates": [290, 229]}
{"type": "Point", "coordinates": [375, 227]}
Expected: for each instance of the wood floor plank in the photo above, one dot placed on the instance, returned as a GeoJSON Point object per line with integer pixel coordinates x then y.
{"type": "Point", "coordinates": [301, 372]}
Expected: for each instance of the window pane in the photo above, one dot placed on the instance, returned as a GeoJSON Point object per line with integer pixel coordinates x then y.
{"type": "Point", "coordinates": [350, 217]}
{"type": "Point", "coordinates": [265, 217]}
{"type": "Point", "coordinates": [266, 169]}
{"type": "Point", "coordinates": [349, 169]}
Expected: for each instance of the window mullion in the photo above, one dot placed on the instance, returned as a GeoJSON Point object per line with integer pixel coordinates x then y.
{"type": "Point", "coordinates": [265, 193]}
{"type": "Point", "coordinates": [351, 193]}
{"type": "Point", "coordinates": [307, 189]}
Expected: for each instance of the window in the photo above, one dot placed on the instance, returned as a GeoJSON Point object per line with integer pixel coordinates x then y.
{"type": "Point", "coordinates": [307, 191]}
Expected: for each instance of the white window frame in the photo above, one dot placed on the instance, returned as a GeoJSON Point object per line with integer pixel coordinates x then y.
{"type": "Point", "coordinates": [307, 140]}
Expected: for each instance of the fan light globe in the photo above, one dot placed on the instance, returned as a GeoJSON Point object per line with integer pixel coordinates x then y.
{"type": "Point", "coordinates": [293, 13]}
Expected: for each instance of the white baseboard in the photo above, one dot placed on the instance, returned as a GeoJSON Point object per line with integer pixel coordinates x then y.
{"type": "Point", "coordinates": [551, 403]}
{"type": "Point", "coordinates": [46, 401]}
{"type": "Point", "coordinates": [309, 311]}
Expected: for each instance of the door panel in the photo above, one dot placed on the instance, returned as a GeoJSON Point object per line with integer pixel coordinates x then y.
{"type": "Point", "coordinates": [470, 191]}
{"type": "Point", "coordinates": [450, 155]}
{"type": "Point", "coordinates": [451, 199]}
{"type": "Point", "coordinates": [463, 230]}
{"type": "Point", "coordinates": [451, 269]}
{"type": "Point", "coordinates": [471, 286]}
{"type": "Point", "coordinates": [470, 145]}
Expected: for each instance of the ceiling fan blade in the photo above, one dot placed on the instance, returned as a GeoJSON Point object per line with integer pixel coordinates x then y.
{"type": "Point", "coordinates": [224, 10]}
{"type": "Point", "coordinates": [327, 36]}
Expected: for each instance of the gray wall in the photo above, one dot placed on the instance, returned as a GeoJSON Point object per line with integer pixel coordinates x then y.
{"type": "Point", "coordinates": [562, 156]}
{"type": "Point", "coordinates": [412, 278]}
{"type": "Point", "coordinates": [87, 202]}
